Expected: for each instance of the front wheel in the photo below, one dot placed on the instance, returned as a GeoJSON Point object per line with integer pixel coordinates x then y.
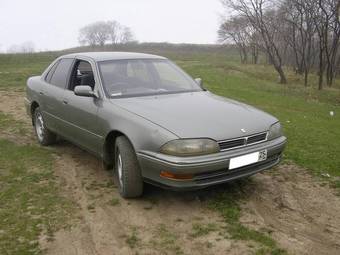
{"type": "Point", "coordinates": [45, 136]}
{"type": "Point", "coordinates": [127, 171]}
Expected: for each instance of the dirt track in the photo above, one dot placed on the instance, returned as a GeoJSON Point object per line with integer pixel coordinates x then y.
{"type": "Point", "coordinates": [299, 213]}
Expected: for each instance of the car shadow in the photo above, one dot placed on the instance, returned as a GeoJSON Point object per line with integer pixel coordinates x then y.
{"type": "Point", "coordinates": [238, 188]}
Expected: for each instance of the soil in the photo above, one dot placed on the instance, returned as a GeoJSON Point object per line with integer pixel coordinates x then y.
{"type": "Point", "coordinates": [301, 213]}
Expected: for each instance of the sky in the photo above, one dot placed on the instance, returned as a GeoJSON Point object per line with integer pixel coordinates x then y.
{"type": "Point", "coordinates": [54, 25]}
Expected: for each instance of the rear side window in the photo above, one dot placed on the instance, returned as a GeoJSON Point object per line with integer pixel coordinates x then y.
{"type": "Point", "coordinates": [51, 71]}
{"type": "Point", "coordinates": [61, 73]}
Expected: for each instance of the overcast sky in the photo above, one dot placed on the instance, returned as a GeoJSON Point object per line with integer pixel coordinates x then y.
{"type": "Point", "coordinates": [54, 24]}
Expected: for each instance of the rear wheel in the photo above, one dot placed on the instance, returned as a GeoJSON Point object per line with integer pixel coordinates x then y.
{"type": "Point", "coordinates": [44, 136]}
{"type": "Point", "coordinates": [127, 171]}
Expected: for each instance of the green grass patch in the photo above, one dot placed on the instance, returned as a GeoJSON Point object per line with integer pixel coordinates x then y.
{"type": "Point", "coordinates": [133, 240]}
{"type": "Point", "coordinates": [166, 240]}
{"type": "Point", "coordinates": [227, 204]}
{"type": "Point", "coordinates": [114, 202]}
{"type": "Point", "coordinates": [199, 229]}
{"type": "Point", "coordinates": [15, 69]}
{"type": "Point", "coordinates": [7, 123]}
{"type": "Point", "coordinates": [29, 200]}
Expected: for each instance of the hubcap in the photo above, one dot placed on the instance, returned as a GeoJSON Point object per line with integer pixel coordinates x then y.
{"type": "Point", "coordinates": [120, 169]}
{"type": "Point", "coordinates": [39, 127]}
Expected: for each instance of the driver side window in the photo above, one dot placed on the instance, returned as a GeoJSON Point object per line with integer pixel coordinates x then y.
{"type": "Point", "coordinates": [82, 74]}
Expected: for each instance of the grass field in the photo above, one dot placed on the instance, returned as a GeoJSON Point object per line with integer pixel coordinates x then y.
{"type": "Point", "coordinates": [304, 112]}
{"type": "Point", "coordinates": [29, 196]}
{"type": "Point", "coordinates": [313, 136]}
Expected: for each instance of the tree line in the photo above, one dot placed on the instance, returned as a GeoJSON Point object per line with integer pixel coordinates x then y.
{"type": "Point", "coordinates": [25, 47]}
{"type": "Point", "coordinates": [303, 34]}
{"type": "Point", "coordinates": [103, 32]}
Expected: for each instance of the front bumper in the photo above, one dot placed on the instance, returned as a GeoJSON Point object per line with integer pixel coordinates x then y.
{"type": "Point", "coordinates": [208, 169]}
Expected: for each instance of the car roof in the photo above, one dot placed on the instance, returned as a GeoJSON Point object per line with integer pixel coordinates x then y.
{"type": "Point", "coordinates": [113, 55]}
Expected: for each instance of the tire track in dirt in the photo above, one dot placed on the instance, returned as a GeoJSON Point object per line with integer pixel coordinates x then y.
{"type": "Point", "coordinates": [161, 220]}
{"type": "Point", "coordinates": [299, 213]}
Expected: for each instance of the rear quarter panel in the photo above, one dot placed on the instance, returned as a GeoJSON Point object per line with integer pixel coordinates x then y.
{"type": "Point", "coordinates": [34, 85]}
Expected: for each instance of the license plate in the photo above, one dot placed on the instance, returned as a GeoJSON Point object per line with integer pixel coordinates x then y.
{"type": "Point", "coordinates": [247, 159]}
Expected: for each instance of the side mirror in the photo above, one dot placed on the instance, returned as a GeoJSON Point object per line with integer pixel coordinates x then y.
{"type": "Point", "coordinates": [199, 81]}
{"type": "Point", "coordinates": [84, 91]}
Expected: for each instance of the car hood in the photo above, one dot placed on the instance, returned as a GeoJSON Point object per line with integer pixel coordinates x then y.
{"type": "Point", "coordinates": [199, 114]}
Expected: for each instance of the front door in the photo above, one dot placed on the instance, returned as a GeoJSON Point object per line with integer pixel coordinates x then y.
{"type": "Point", "coordinates": [80, 113]}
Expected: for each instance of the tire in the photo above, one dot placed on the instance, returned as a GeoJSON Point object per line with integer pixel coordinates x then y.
{"type": "Point", "coordinates": [45, 137]}
{"type": "Point", "coordinates": [107, 166]}
{"type": "Point", "coordinates": [127, 171]}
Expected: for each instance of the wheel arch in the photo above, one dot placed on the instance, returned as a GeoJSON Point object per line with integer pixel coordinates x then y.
{"type": "Point", "coordinates": [34, 105]}
{"type": "Point", "coordinates": [108, 150]}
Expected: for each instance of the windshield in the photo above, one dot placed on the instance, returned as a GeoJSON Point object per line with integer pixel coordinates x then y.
{"type": "Point", "coordinates": [138, 77]}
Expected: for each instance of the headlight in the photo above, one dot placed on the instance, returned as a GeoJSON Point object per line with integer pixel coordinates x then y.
{"type": "Point", "coordinates": [275, 131]}
{"type": "Point", "coordinates": [190, 147]}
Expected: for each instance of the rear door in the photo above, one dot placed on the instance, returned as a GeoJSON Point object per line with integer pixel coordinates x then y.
{"type": "Point", "coordinates": [52, 93]}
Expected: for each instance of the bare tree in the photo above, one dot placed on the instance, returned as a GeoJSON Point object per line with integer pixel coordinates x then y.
{"type": "Point", "coordinates": [236, 30]}
{"type": "Point", "coordinates": [299, 19]}
{"type": "Point", "coordinates": [94, 34]}
{"type": "Point", "coordinates": [322, 25]}
{"type": "Point", "coordinates": [255, 45]}
{"type": "Point", "coordinates": [126, 35]}
{"type": "Point", "coordinates": [114, 30]}
{"type": "Point", "coordinates": [27, 47]}
{"type": "Point", "coordinates": [330, 8]}
{"type": "Point", "coordinates": [262, 15]}
{"type": "Point", "coordinates": [337, 67]}
{"type": "Point", "coordinates": [100, 32]}
{"type": "Point", "coordinates": [300, 33]}
{"type": "Point", "coordinates": [14, 48]}
{"type": "Point", "coordinates": [314, 23]}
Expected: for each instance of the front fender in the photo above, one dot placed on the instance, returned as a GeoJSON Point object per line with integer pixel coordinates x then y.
{"type": "Point", "coordinates": [142, 133]}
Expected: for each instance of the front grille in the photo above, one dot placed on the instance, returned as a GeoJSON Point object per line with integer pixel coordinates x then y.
{"type": "Point", "coordinates": [242, 141]}
{"type": "Point", "coordinates": [224, 145]}
{"type": "Point", "coordinates": [257, 138]}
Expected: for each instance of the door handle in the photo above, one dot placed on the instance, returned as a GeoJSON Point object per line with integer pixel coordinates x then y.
{"type": "Point", "coordinates": [65, 101]}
